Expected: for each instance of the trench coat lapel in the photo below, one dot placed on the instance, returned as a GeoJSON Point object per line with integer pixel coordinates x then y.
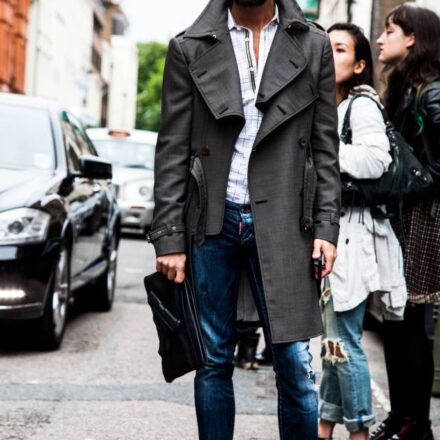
{"type": "Point", "coordinates": [286, 63]}
{"type": "Point", "coordinates": [215, 74]}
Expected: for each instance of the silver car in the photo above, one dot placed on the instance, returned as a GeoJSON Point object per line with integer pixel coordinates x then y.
{"type": "Point", "coordinates": [132, 156]}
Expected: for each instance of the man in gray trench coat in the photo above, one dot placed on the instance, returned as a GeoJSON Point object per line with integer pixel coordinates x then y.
{"type": "Point", "coordinates": [247, 178]}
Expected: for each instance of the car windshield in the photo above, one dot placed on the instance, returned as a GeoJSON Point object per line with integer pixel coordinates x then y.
{"type": "Point", "coordinates": [123, 153]}
{"type": "Point", "coordinates": [26, 139]}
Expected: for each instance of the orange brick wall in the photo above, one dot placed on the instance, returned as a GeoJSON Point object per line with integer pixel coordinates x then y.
{"type": "Point", "coordinates": [13, 37]}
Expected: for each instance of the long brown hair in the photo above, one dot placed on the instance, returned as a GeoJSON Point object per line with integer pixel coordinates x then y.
{"type": "Point", "coordinates": [423, 60]}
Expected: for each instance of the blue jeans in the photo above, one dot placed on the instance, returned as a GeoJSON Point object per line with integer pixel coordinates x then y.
{"type": "Point", "coordinates": [346, 384]}
{"type": "Point", "coordinates": [216, 268]}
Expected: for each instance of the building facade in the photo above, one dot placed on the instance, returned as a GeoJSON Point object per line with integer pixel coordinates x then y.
{"type": "Point", "coordinates": [13, 39]}
{"type": "Point", "coordinates": [431, 4]}
{"type": "Point", "coordinates": [359, 12]}
{"type": "Point", "coordinates": [59, 53]}
{"type": "Point", "coordinates": [124, 76]}
{"type": "Point", "coordinates": [123, 68]}
{"type": "Point", "coordinates": [70, 57]}
{"type": "Point", "coordinates": [368, 14]}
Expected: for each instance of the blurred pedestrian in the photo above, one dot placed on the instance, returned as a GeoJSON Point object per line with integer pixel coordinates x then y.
{"type": "Point", "coordinates": [248, 101]}
{"type": "Point", "coordinates": [410, 50]}
{"type": "Point", "coordinates": [264, 359]}
{"type": "Point", "coordinates": [369, 254]}
{"type": "Point", "coordinates": [246, 356]}
{"type": "Point", "coordinates": [247, 344]}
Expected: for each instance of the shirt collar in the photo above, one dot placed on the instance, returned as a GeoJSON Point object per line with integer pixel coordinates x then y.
{"type": "Point", "coordinates": [233, 25]}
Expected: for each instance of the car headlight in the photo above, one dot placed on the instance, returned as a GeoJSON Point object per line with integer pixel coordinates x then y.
{"type": "Point", "coordinates": [145, 191]}
{"type": "Point", "coordinates": [23, 225]}
{"type": "Point", "coordinates": [139, 190]}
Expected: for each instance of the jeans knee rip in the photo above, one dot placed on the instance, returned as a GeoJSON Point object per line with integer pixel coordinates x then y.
{"type": "Point", "coordinates": [333, 351]}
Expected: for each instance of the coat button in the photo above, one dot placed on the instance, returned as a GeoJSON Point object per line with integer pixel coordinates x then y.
{"type": "Point", "coordinates": [206, 151]}
{"type": "Point", "coordinates": [302, 141]}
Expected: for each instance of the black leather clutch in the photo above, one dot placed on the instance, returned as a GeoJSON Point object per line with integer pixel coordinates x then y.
{"type": "Point", "coordinates": [174, 312]}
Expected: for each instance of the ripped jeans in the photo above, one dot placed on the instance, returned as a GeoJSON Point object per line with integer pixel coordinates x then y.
{"type": "Point", "coordinates": [216, 268]}
{"type": "Point", "coordinates": [345, 391]}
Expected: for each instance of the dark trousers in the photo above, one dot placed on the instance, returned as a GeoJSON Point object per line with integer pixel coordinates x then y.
{"type": "Point", "coordinates": [247, 332]}
{"type": "Point", "coordinates": [410, 362]}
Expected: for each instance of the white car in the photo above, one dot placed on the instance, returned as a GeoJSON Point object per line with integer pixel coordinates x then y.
{"type": "Point", "coordinates": [132, 156]}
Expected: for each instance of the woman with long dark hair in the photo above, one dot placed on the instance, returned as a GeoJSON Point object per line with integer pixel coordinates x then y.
{"type": "Point", "coordinates": [369, 255]}
{"type": "Point", "coordinates": [410, 50]}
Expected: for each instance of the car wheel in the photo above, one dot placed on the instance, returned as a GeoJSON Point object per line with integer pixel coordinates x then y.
{"type": "Point", "coordinates": [52, 324]}
{"type": "Point", "coordinates": [104, 289]}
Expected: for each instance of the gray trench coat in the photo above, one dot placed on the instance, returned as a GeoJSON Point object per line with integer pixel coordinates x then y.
{"type": "Point", "coordinates": [202, 116]}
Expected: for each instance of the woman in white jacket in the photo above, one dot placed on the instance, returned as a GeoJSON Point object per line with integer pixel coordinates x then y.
{"type": "Point", "coordinates": [369, 254]}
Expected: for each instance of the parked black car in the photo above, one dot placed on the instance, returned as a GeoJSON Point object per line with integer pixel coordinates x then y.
{"type": "Point", "coordinates": [59, 220]}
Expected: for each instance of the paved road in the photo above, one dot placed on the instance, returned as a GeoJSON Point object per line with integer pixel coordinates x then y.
{"type": "Point", "coordinates": [106, 384]}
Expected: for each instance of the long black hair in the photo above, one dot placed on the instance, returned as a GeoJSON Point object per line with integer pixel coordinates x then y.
{"type": "Point", "coordinates": [362, 51]}
{"type": "Point", "coordinates": [423, 59]}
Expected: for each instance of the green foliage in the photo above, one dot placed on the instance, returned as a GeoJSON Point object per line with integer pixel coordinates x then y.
{"type": "Point", "coordinates": [151, 66]}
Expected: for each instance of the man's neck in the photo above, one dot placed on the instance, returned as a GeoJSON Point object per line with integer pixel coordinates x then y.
{"type": "Point", "coordinates": [255, 17]}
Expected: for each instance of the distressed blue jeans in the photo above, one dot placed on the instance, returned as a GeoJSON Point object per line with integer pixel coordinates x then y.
{"type": "Point", "coordinates": [345, 390]}
{"type": "Point", "coordinates": [216, 268]}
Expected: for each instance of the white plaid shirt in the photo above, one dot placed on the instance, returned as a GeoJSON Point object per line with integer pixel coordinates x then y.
{"type": "Point", "coordinates": [250, 78]}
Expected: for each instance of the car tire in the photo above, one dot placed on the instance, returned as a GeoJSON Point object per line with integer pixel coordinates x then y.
{"type": "Point", "coordinates": [103, 290]}
{"type": "Point", "coordinates": [51, 326]}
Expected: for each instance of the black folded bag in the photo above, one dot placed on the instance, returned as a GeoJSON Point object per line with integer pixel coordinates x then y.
{"type": "Point", "coordinates": [174, 313]}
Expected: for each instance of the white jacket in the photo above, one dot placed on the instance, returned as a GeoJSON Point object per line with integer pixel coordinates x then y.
{"type": "Point", "coordinates": [369, 254]}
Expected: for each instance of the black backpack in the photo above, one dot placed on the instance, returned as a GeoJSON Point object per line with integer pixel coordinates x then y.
{"type": "Point", "coordinates": [406, 176]}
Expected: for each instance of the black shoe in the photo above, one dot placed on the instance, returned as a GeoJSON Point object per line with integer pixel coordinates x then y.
{"type": "Point", "coordinates": [245, 364]}
{"type": "Point", "coordinates": [387, 428]}
{"type": "Point", "coordinates": [246, 351]}
{"type": "Point", "coordinates": [413, 430]}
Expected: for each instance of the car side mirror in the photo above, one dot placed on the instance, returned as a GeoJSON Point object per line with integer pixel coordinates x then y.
{"type": "Point", "coordinates": [93, 167]}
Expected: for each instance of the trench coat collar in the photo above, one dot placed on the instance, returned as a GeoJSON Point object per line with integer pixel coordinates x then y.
{"type": "Point", "coordinates": [215, 72]}
{"type": "Point", "coordinates": [214, 18]}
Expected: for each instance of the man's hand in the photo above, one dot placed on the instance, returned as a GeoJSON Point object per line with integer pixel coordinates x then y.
{"type": "Point", "coordinates": [329, 251]}
{"type": "Point", "coordinates": [173, 266]}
